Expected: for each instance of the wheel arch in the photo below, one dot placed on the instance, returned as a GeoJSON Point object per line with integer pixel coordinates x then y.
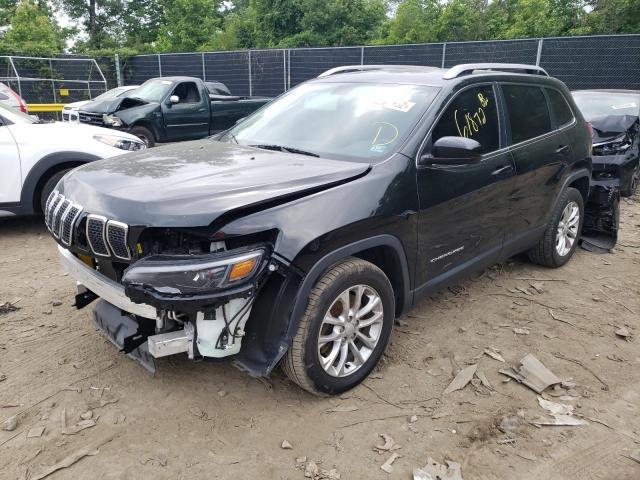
{"type": "Point", "coordinates": [42, 171]}
{"type": "Point", "coordinates": [151, 126]}
{"type": "Point", "coordinates": [580, 178]}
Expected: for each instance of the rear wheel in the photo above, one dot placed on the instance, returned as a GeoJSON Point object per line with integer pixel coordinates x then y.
{"type": "Point", "coordinates": [561, 237]}
{"type": "Point", "coordinates": [344, 330]}
{"type": "Point", "coordinates": [49, 185]}
{"type": "Point", "coordinates": [632, 185]}
{"type": "Point", "coordinates": [144, 134]}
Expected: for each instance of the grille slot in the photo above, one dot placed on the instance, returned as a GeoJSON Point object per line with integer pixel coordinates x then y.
{"type": "Point", "coordinates": [57, 216]}
{"type": "Point", "coordinates": [52, 208]}
{"type": "Point", "coordinates": [68, 221]}
{"type": "Point", "coordinates": [96, 235]}
{"type": "Point", "coordinates": [47, 206]}
{"type": "Point", "coordinates": [117, 239]}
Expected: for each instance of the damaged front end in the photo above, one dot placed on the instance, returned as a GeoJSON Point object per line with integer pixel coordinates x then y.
{"type": "Point", "coordinates": [602, 216]}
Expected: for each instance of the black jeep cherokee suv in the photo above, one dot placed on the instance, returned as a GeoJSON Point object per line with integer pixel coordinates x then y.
{"type": "Point", "coordinates": [300, 234]}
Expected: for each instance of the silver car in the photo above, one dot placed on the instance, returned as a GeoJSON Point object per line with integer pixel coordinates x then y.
{"type": "Point", "coordinates": [70, 110]}
{"type": "Point", "coordinates": [11, 99]}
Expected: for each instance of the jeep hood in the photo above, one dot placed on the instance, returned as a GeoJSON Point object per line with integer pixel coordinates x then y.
{"type": "Point", "coordinates": [610, 126]}
{"type": "Point", "coordinates": [193, 183]}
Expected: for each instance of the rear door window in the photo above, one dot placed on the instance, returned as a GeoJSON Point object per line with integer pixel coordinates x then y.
{"type": "Point", "coordinates": [472, 114]}
{"type": "Point", "coordinates": [528, 112]}
{"type": "Point", "coordinates": [560, 108]}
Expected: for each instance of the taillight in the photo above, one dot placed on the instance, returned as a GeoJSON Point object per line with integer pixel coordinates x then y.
{"type": "Point", "coordinates": [23, 107]}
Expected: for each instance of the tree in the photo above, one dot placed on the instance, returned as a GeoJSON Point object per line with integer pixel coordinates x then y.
{"type": "Point", "coordinates": [33, 32]}
{"type": "Point", "coordinates": [99, 19]}
{"type": "Point", "coordinates": [463, 20]}
{"type": "Point", "coordinates": [7, 9]}
{"type": "Point", "coordinates": [189, 25]}
{"type": "Point", "coordinates": [416, 21]}
{"type": "Point", "coordinates": [614, 16]}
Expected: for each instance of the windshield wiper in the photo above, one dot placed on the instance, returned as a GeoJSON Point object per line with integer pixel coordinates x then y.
{"type": "Point", "coordinates": [280, 148]}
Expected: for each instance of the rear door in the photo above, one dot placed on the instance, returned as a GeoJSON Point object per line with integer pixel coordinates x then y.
{"type": "Point", "coordinates": [189, 118]}
{"type": "Point", "coordinates": [464, 208]}
{"type": "Point", "coordinates": [540, 153]}
{"type": "Point", "coordinates": [11, 177]}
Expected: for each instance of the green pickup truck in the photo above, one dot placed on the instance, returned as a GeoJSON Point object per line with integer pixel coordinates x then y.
{"type": "Point", "coordinates": [170, 109]}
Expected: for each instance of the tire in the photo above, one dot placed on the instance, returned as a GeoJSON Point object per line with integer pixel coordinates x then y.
{"type": "Point", "coordinates": [49, 185]}
{"type": "Point", "coordinates": [632, 185]}
{"type": "Point", "coordinates": [548, 251]}
{"type": "Point", "coordinates": [302, 363]}
{"type": "Point", "coordinates": [144, 134]}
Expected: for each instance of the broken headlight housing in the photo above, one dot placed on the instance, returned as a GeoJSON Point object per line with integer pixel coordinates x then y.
{"type": "Point", "coordinates": [615, 146]}
{"type": "Point", "coordinates": [121, 142]}
{"type": "Point", "coordinates": [193, 274]}
{"type": "Point", "coordinates": [112, 120]}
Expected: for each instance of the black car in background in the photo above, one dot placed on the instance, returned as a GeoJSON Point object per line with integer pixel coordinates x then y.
{"type": "Point", "coordinates": [297, 236]}
{"type": "Point", "coordinates": [615, 118]}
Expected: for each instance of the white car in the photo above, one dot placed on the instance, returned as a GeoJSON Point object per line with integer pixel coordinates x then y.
{"type": "Point", "coordinates": [34, 156]}
{"type": "Point", "coordinates": [70, 110]}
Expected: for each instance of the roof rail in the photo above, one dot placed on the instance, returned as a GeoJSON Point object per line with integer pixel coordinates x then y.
{"type": "Point", "coordinates": [466, 68]}
{"type": "Point", "coordinates": [365, 68]}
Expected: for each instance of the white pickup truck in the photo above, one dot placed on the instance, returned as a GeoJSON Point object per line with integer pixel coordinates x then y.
{"type": "Point", "coordinates": [34, 156]}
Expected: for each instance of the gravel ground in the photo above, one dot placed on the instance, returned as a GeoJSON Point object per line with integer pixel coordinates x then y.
{"type": "Point", "coordinates": [209, 420]}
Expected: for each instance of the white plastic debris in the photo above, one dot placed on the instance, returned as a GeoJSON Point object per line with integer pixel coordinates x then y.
{"type": "Point", "coordinates": [436, 471]}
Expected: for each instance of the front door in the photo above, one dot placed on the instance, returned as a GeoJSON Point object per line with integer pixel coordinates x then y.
{"type": "Point", "coordinates": [11, 177]}
{"type": "Point", "coordinates": [464, 208]}
{"type": "Point", "coordinates": [189, 118]}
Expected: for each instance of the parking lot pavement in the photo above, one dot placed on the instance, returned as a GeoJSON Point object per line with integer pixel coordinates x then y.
{"type": "Point", "coordinates": [209, 420]}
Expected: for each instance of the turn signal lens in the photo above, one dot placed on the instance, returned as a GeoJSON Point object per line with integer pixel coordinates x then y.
{"type": "Point", "coordinates": [242, 269]}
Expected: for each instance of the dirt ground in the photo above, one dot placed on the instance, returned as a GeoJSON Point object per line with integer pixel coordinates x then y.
{"type": "Point", "coordinates": [209, 420]}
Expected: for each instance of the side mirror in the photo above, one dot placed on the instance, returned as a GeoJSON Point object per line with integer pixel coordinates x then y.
{"type": "Point", "coordinates": [173, 99]}
{"type": "Point", "coordinates": [453, 151]}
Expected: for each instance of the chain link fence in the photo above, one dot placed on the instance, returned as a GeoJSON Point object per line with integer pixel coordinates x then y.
{"type": "Point", "coordinates": [607, 61]}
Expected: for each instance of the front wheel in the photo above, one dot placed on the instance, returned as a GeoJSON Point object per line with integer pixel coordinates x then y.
{"type": "Point", "coordinates": [561, 236]}
{"type": "Point", "coordinates": [144, 134]}
{"type": "Point", "coordinates": [344, 330]}
{"type": "Point", "coordinates": [49, 185]}
{"type": "Point", "coordinates": [632, 184]}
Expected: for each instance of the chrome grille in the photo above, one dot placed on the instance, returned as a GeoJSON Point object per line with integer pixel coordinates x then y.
{"type": "Point", "coordinates": [117, 239]}
{"type": "Point", "coordinates": [68, 222]}
{"type": "Point", "coordinates": [47, 206]}
{"type": "Point", "coordinates": [52, 208]}
{"type": "Point", "coordinates": [57, 216]}
{"type": "Point", "coordinates": [96, 235]}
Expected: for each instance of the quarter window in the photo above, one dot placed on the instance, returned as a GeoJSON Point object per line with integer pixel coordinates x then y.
{"type": "Point", "coordinates": [528, 112]}
{"type": "Point", "coordinates": [560, 108]}
{"type": "Point", "coordinates": [472, 114]}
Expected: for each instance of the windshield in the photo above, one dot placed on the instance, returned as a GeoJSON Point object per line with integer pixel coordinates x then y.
{"type": "Point", "coordinates": [152, 90]}
{"type": "Point", "coordinates": [599, 104]}
{"type": "Point", "coordinates": [113, 93]}
{"type": "Point", "coordinates": [356, 121]}
{"type": "Point", "coordinates": [16, 116]}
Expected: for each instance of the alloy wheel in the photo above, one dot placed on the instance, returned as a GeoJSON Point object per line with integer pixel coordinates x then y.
{"type": "Point", "coordinates": [350, 330]}
{"type": "Point", "coordinates": [567, 233]}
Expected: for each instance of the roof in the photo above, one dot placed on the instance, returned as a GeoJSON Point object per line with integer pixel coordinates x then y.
{"type": "Point", "coordinates": [428, 76]}
{"type": "Point", "coordinates": [609, 90]}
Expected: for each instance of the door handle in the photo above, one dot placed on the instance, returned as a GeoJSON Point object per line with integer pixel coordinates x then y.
{"type": "Point", "coordinates": [562, 149]}
{"type": "Point", "coordinates": [202, 110]}
{"type": "Point", "coordinates": [501, 170]}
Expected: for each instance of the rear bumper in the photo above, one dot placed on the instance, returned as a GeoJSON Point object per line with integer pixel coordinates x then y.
{"type": "Point", "coordinates": [102, 286]}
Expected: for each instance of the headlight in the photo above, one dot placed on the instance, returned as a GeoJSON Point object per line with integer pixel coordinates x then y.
{"type": "Point", "coordinates": [121, 142]}
{"type": "Point", "coordinates": [195, 274]}
{"type": "Point", "coordinates": [112, 121]}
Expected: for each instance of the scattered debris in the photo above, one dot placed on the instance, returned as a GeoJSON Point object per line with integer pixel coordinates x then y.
{"type": "Point", "coordinates": [510, 423]}
{"type": "Point", "coordinates": [493, 353]}
{"type": "Point", "coordinates": [555, 317]}
{"type": "Point", "coordinates": [154, 460]}
{"type": "Point", "coordinates": [635, 456]}
{"type": "Point", "coordinates": [71, 459]}
{"type": "Point", "coordinates": [388, 465]}
{"type": "Point", "coordinates": [86, 415]}
{"type": "Point", "coordinates": [102, 402]}
{"type": "Point", "coordinates": [3, 377]}
{"type": "Point", "coordinates": [78, 427]}
{"type": "Point", "coordinates": [8, 307]}
{"type": "Point", "coordinates": [561, 415]}
{"type": "Point", "coordinates": [521, 331]}
{"type": "Point", "coordinates": [316, 473]}
{"type": "Point", "coordinates": [342, 408]}
{"type": "Point", "coordinates": [388, 446]}
{"type": "Point", "coordinates": [538, 286]}
{"type": "Point", "coordinates": [483, 379]}
{"type": "Point", "coordinates": [436, 471]}
{"type": "Point", "coordinates": [461, 379]}
{"type": "Point", "coordinates": [35, 432]}
{"type": "Point", "coordinates": [10, 424]}
{"type": "Point", "coordinates": [532, 373]}
{"type": "Point", "coordinates": [285, 445]}
{"type": "Point", "coordinates": [56, 303]}
{"type": "Point", "coordinates": [413, 419]}
{"type": "Point", "coordinates": [623, 332]}
{"type": "Point", "coordinates": [222, 393]}
{"type": "Point", "coordinates": [605, 386]}
{"type": "Point", "coordinates": [198, 413]}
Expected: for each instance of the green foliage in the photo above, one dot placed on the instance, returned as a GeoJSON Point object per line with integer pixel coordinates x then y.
{"type": "Point", "coordinates": [32, 31]}
{"type": "Point", "coordinates": [614, 16]}
{"type": "Point", "coordinates": [188, 25]}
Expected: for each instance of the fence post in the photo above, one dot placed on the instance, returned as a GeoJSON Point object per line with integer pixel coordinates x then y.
{"type": "Point", "coordinates": [118, 77]}
{"type": "Point", "coordinates": [204, 71]}
{"type": "Point", "coordinates": [444, 52]}
{"type": "Point", "coordinates": [539, 54]}
{"type": "Point", "coordinates": [159, 65]}
{"type": "Point", "coordinates": [250, 85]}
{"type": "Point", "coordinates": [284, 68]}
{"type": "Point", "coordinates": [53, 84]}
{"type": "Point", "coordinates": [361, 55]}
{"type": "Point", "coordinates": [289, 69]}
